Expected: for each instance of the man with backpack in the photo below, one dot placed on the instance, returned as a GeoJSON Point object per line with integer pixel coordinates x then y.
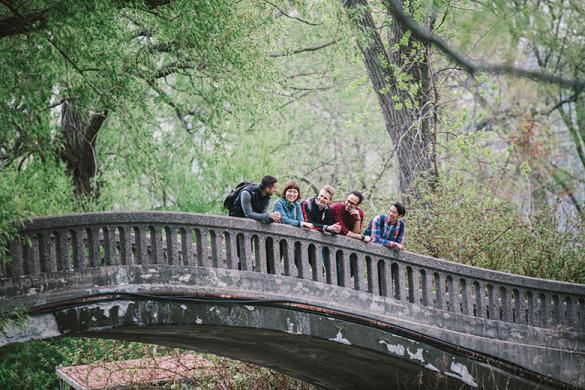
{"type": "Point", "coordinates": [249, 200]}
{"type": "Point", "coordinates": [388, 229]}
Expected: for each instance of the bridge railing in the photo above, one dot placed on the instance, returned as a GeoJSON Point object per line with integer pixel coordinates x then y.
{"type": "Point", "coordinates": [77, 242]}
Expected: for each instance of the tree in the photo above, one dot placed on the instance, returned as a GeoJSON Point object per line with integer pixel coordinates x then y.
{"type": "Point", "coordinates": [399, 72]}
{"type": "Point", "coordinates": [95, 60]}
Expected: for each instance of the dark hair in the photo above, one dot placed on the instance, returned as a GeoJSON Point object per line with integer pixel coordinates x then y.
{"type": "Point", "coordinates": [400, 209]}
{"type": "Point", "coordinates": [268, 181]}
{"type": "Point", "coordinates": [358, 194]}
{"type": "Point", "coordinates": [291, 184]}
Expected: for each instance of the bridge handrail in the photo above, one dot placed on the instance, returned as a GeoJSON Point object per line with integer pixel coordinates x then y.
{"type": "Point", "coordinates": [117, 238]}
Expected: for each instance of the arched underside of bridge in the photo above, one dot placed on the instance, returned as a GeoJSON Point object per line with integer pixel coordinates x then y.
{"type": "Point", "coordinates": [324, 348]}
{"type": "Point", "coordinates": [328, 335]}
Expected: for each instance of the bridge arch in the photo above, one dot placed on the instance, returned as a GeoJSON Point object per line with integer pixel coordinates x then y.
{"type": "Point", "coordinates": [526, 324]}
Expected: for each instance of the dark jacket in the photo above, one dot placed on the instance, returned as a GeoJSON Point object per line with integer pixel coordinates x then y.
{"type": "Point", "coordinates": [251, 204]}
{"type": "Point", "coordinates": [320, 218]}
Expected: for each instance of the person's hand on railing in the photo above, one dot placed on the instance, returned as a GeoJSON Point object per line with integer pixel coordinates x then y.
{"type": "Point", "coordinates": [307, 225]}
{"type": "Point", "coordinates": [275, 216]}
{"type": "Point", "coordinates": [395, 245]}
{"type": "Point", "coordinates": [335, 228]}
{"type": "Point", "coordinates": [366, 239]}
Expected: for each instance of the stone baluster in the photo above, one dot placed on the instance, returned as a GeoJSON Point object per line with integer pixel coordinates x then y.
{"type": "Point", "coordinates": [16, 263]}
{"type": "Point", "coordinates": [358, 260]}
{"type": "Point", "coordinates": [125, 245]}
{"type": "Point", "coordinates": [77, 236]}
{"type": "Point", "coordinates": [471, 291]}
{"type": "Point", "coordinates": [492, 308]}
{"type": "Point", "coordinates": [316, 261]}
{"type": "Point", "coordinates": [231, 250]}
{"type": "Point", "coordinates": [290, 268]}
{"type": "Point", "coordinates": [172, 245]}
{"type": "Point", "coordinates": [504, 304]}
{"type": "Point", "coordinates": [216, 243]}
{"type": "Point", "coordinates": [187, 245]}
{"type": "Point", "coordinates": [141, 245]}
{"type": "Point", "coordinates": [508, 302]}
{"type": "Point", "coordinates": [156, 245]}
{"type": "Point", "coordinates": [111, 245]}
{"type": "Point", "coordinates": [260, 254]}
{"type": "Point", "coordinates": [47, 264]}
{"type": "Point", "coordinates": [464, 295]}
{"type": "Point", "coordinates": [531, 307]}
{"type": "Point", "coordinates": [63, 249]}
{"type": "Point", "coordinates": [373, 278]}
{"type": "Point", "coordinates": [520, 306]}
{"type": "Point", "coordinates": [555, 318]}
{"type": "Point", "coordinates": [32, 255]}
{"type": "Point", "coordinates": [544, 314]}
{"type": "Point", "coordinates": [482, 308]}
{"type": "Point", "coordinates": [440, 301]}
{"type": "Point", "coordinates": [581, 315]}
{"type": "Point", "coordinates": [450, 293]}
{"type": "Point", "coordinates": [203, 248]}
{"type": "Point", "coordinates": [331, 266]}
{"type": "Point", "coordinates": [302, 260]}
{"type": "Point", "coordinates": [246, 255]}
{"type": "Point", "coordinates": [341, 267]}
{"type": "Point", "coordinates": [567, 309]}
{"type": "Point", "coordinates": [385, 276]}
{"type": "Point", "coordinates": [416, 285]}
{"type": "Point", "coordinates": [428, 291]}
{"type": "Point", "coordinates": [93, 246]}
{"type": "Point", "coordinates": [275, 256]}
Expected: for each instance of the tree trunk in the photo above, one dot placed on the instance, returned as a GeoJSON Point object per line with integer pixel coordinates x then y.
{"type": "Point", "coordinates": [78, 149]}
{"type": "Point", "coordinates": [406, 113]}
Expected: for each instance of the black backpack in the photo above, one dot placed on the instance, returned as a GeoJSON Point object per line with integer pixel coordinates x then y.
{"type": "Point", "coordinates": [233, 196]}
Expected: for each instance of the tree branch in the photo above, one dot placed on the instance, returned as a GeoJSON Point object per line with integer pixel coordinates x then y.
{"type": "Point", "coordinates": [290, 16]}
{"type": "Point", "coordinates": [36, 21]}
{"type": "Point", "coordinates": [306, 49]}
{"type": "Point", "coordinates": [423, 35]}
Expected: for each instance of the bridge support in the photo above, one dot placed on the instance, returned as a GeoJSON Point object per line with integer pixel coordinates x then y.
{"type": "Point", "coordinates": [327, 349]}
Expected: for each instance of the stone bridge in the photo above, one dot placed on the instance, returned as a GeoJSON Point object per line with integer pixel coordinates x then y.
{"type": "Point", "coordinates": [330, 310]}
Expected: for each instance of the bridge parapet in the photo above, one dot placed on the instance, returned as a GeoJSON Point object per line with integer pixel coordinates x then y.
{"type": "Point", "coordinates": [82, 241]}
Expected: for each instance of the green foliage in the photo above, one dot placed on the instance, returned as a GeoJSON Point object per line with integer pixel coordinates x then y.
{"type": "Point", "coordinates": [460, 217]}
{"type": "Point", "coordinates": [39, 188]}
{"type": "Point", "coordinates": [32, 365]}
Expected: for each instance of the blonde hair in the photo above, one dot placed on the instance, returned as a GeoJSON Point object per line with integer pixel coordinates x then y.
{"type": "Point", "coordinates": [329, 189]}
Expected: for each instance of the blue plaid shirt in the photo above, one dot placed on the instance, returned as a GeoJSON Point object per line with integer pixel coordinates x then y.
{"type": "Point", "coordinates": [382, 232]}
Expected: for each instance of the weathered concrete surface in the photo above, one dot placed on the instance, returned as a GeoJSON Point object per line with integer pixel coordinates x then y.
{"type": "Point", "coordinates": [330, 352]}
{"type": "Point", "coordinates": [551, 352]}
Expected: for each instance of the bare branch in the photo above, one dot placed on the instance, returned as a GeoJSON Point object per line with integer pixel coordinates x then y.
{"type": "Point", "coordinates": [290, 16]}
{"type": "Point", "coordinates": [423, 35]}
{"type": "Point", "coordinates": [306, 49]}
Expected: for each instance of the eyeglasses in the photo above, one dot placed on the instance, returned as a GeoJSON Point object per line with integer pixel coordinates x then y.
{"type": "Point", "coordinates": [350, 203]}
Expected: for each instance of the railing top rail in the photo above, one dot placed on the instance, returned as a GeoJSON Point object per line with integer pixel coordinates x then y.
{"type": "Point", "coordinates": [84, 220]}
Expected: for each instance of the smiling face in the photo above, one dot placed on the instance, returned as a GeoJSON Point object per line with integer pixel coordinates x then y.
{"type": "Point", "coordinates": [324, 198]}
{"type": "Point", "coordinates": [292, 194]}
{"type": "Point", "coordinates": [351, 202]}
{"type": "Point", "coordinates": [393, 215]}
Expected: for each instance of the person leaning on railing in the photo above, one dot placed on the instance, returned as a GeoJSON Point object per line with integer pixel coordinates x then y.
{"type": "Point", "coordinates": [388, 229]}
{"type": "Point", "coordinates": [289, 206]}
{"type": "Point", "coordinates": [317, 211]}
{"type": "Point", "coordinates": [350, 217]}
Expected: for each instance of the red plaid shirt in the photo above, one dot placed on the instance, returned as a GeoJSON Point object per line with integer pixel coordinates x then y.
{"type": "Point", "coordinates": [344, 218]}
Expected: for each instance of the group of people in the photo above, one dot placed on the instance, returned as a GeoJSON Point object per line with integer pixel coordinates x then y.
{"type": "Point", "coordinates": [320, 213]}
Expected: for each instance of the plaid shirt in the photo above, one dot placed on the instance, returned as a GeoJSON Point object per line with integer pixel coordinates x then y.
{"type": "Point", "coordinates": [344, 217]}
{"type": "Point", "coordinates": [384, 233]}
